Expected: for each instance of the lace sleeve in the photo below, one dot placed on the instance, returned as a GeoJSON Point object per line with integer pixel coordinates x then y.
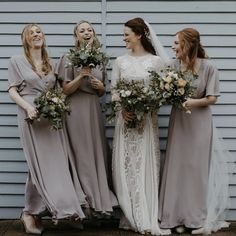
{"type": "Point", "coordinates": [159, 63]}
{"type": "Point", "coordinates": [115, 73]}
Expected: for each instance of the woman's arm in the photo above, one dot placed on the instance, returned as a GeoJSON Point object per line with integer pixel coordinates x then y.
{"type": "Point", "coordinates": [71, 86]}
{"type": "Point", "coordinates": [201, 102]}
{"type": "Point", "coordinates": [31, 111]}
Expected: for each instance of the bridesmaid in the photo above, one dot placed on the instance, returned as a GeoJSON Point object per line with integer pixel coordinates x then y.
{"type": "Point", "coordinates": [85, 128]}
{"type": "Point", "coordinates": [49, 185]}
{"type": "Point", "coordinates": [190, 196]}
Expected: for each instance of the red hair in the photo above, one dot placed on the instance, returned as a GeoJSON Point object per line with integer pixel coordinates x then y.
{"type": "Point", "coordinates": [189, 40]}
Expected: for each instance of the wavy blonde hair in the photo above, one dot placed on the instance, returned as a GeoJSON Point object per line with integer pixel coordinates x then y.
{"type": "Point", "coordinates": [46, 65]}
{"type": "Point", "coordinates": [189, 40]}
{"type": "Point", "coordinates": [95, 40]}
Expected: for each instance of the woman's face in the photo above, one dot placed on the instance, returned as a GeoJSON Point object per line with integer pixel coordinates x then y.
{"type": "Point", "coordinates": [176, 48]}
{"type": "Point", "coordinates": [130, 38]}
{"type": "Point", "coordinates": [85, 33]}
{"type": "Point", "coordinates": [35, 37]}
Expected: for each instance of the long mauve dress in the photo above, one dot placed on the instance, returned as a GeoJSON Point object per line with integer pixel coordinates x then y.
{"type": "Point", "coordinates": [49, 185]}
{"type": "Point", "coordinates": [184, 186]}
{"type": "Point", "coordinates": [86, 134]}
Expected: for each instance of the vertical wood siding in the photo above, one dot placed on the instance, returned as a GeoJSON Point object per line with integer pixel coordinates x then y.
{"type": "Point", "coordinates": [216, 21]}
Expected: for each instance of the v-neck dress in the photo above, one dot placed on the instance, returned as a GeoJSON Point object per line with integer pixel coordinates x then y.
{"type": "Point", "coordinates": [184, 185]}
{"type": "Point", "coordinates": [86, 134]}
{"type": "Point", "coordinates": [49, 185]}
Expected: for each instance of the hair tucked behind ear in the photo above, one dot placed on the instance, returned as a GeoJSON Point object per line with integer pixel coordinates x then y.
{"type": "Point", "coordinates": [138, 26]}
{"type": "Point", "coordinates": [46, 66]}
{"type": "Point", "coordinates": [190, 44]}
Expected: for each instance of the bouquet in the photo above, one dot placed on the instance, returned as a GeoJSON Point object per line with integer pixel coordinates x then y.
{"type": "Point", "coordinates": [87, 55]}
{"type": "Point", "coordinates": [134, 97]}
{"type": "Point", "coordinates": [172, 87]}
{"type": "Point", "coordinates": [52, 105]}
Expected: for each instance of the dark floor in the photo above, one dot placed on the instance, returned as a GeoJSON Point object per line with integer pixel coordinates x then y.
{"type": "Point", "coordinates": [97, 228]}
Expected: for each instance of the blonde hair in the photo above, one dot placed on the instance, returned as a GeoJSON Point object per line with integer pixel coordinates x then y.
{"type": "Point", "coordinates": [46, 66]}
{"type": "Point", "coordinates": [77, 43]}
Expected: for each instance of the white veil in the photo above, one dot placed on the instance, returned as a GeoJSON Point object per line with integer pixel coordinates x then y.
{"type": "Point", "coordinates": [218, 181]}
{"type": "Point", "coordinates": [160, 51]}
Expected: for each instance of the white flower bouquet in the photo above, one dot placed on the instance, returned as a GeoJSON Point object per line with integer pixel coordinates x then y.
{"type": "Point", "coordinates": [172, 87]}
{"type": "Point", "coordinates": [131, 96]}
{"type": "Point", "coordinates": [87, 55]}
{"type": "Point", "coordinates": [52, 105]}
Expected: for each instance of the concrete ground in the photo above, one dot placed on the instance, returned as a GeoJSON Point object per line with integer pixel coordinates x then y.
{"type": "Point", "coordinates": [96, 228]}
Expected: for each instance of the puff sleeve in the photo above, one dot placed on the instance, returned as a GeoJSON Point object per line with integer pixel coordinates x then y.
{"type": "Point", "coordinates": [115, 76]}
{"type": "Point", "coordinates": [212, 86]}
{"type": "Point", "coordinates": [63, 71]}
{"type": "Point", "coordinates": [15, 76]}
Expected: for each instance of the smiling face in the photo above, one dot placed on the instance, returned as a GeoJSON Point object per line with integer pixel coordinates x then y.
{"type": "Point", "coordinates": [85, 32]}
{"type": "Point", "coordinates": [130, 38]}
{"type": "Point", "coordinates": [177, 48]}
{"type": "Point", "coordinates": [35, 37]}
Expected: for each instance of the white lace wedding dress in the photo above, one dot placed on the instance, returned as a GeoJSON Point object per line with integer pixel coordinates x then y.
{"type": "Point", "coordinates": [136, 156]}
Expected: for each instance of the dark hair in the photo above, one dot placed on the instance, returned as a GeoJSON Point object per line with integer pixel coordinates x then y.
{"type": "Point", "coordinates": [46, 66]}
{"type": "Point", "coordinates": [138, 26]}
{"type": "Point", "coordinates": [189, 40]}
{"type": "Point", "coordinates": [77, 43]}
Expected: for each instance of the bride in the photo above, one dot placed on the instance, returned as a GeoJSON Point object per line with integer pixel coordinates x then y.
{"type": "Point", "coordinates": [136, 155]}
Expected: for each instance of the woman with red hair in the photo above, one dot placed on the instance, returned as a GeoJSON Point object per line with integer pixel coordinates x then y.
{"type": "Point", "coordinates": [191, 196]}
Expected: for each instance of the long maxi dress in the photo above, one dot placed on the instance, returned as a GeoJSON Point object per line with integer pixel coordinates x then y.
{"type": "Point", "coordinates": [185, 185]}
{"type": "Point", "coordinates": [49, 185]}
{"type": "Point", "coordinates": [87, 141]}
{"type": "Point", "coordinates": [136, 155]}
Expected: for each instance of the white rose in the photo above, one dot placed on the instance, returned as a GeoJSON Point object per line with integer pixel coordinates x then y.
{"type": "Point", "coordinates": [55, 100]}
{"type": "Point", "coordinates": [127, 93]}
{"type": "Point", "coordinates": [122, 93]}
{"type": "Point", "coordinates": [145, 90]}
{"type": "Point", "coordinates": [115, 97]}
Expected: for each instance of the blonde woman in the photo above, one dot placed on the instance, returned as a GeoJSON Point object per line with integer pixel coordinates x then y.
{"type": "Point", "coordinates": [85, 128]}
{"type": "Point", "coordinates": [49, 186]}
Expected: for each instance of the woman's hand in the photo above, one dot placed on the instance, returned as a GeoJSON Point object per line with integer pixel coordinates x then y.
{"type": "Point", "coordinates": [84, 72]}
{"type": "Point", "coordinates": [73, 85]}
{"type": "Point", "coordinates": [189, 104]}
{"type": "Point", "coordinates": [128, 115]}
{"type": "Point", "coordinates": [31, 112]}
{"type": "Point", "coordinates": [96, 84]}
{"type": "Point", "coordinates": [201, 102]}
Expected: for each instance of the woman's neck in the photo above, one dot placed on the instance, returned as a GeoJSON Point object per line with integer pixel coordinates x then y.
{"type": "Point", "coordinates": [138, 51]}
{"type": "Point", "coordinates": [184, 65]}
{"type": "Point", "coordinates": [36, 55]}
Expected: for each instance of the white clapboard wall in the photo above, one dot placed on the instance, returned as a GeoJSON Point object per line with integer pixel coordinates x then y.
{"type": "Point", "coordinates": [216, 21]}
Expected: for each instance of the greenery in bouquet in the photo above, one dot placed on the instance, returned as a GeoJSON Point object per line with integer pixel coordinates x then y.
{"type": "Point", "coordinates": [52, 105]}
{"type": "Point", "coordinates": [87, 55]}
{"type": "Point", "coordinates": [172, 87]}
{"type": "Point", "coordinates": [131, 96]}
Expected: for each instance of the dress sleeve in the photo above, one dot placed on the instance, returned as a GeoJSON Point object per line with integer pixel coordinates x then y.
{"type": "Point", "coordinates": [213, 87]}
{"type": "Point", "coordinates": [115, 76]}
{"type": "Point", "coordinates": [63, 71]}
{"type": "Point", "coordinates": [15, 77]}
{"type": "Point", "coordinates": [159, 63]}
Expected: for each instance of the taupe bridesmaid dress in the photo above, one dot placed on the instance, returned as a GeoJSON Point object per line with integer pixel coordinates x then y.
{"type": "Point", "coordinates": [49, 185]}
{"type": "Point", "coordinates": [86, 134]}
{"type": "Point", "coordinates": [184, 185]}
